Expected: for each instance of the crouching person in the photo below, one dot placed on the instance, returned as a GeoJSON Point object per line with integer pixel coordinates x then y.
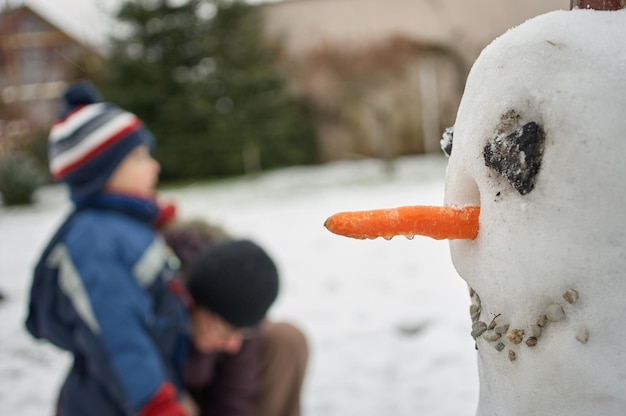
{"type": "Point", "coordinates": [241, 364]}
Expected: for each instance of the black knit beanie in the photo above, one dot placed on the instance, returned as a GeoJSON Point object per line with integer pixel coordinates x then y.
{"type": "Point", "coordinates": [236, 280]}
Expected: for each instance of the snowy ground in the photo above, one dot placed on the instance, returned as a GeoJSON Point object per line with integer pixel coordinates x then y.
{"type": "Point", "coordinates": [387, 321]}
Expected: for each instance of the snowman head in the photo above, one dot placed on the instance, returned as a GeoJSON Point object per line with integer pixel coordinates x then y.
{"type": "Point", "coordinates": [536, 154]}
{"type": "Point", "coordinates": [535, 183]}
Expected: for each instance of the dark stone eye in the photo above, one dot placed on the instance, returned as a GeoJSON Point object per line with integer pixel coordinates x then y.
{"type": "Point", "coordinates": [517, 156]}
{"type": "Point", "coordinates": [446, 140]}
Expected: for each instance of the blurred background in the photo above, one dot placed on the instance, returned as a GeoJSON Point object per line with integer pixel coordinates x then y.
{"type": "Point", "coordinates": [231, 87]}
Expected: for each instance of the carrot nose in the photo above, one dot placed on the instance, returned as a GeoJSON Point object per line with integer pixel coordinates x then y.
{"type": "Point", "coordinates": [436, 222]}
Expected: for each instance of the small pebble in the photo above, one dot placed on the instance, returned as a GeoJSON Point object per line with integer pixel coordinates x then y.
{"type": "Point", "coordinates": [478, 328]}
{"type": "Point", "coordinates": [499, 346]}
{"type": "Point", "coordinates": [531, 341]}
{"type": "Point", "coordinates": [479, 324]}
{"type": "Point", "coordinates": [555, 313]}
{"type": "Point", "coordinates": [501, 329]}
{"type": "Point", "coordinates": [583, 335]}
{"type": "Point", "coordinates": [542, 320]}
{"type": "Point", "coordinates": [512, 355]}
{"type": "Point", "coordinates": [535, 331]}
{"type": "Point", "coordinates": [515, 336]}
{"type": "Point", "coordinates": [474, 308]}
{"type": "Point", "coordinates": [571, 296]}
{"type": "Point", "coordinates": [474, 312]}
{"type": "Point", "coordinates": [491, 336]}
{"type": "Point", "coordinates": [492, 324]}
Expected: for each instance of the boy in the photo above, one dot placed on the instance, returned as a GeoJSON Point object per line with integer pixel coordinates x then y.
{"type": "Point", "coordinates": [241, 364]}
{"type": "Point", "coordinates": [101, 289]}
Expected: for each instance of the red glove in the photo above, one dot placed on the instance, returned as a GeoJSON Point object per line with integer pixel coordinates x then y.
{"type": "Point", "coordinates": [164, 403]}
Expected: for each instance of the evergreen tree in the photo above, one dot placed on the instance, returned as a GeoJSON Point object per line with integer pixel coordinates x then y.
{"type": "Point", "coordinates": [208, 87]}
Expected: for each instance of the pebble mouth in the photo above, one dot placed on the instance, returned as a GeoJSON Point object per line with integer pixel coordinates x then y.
{"type": "Point", "coordinates": [502, 335]}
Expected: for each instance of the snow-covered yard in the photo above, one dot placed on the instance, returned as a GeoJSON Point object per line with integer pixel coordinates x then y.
{"type": "Point", "coordinates": [387, 321]}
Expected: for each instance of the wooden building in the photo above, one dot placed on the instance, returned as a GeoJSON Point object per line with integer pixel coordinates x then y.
{"type": "Point", "coordinates": [37, 59]}
{"type": "Point", "coordinates": [385, 77]}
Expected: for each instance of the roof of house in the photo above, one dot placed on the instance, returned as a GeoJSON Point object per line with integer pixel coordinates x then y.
{"type": "Point", "coordinates": [12, 18]}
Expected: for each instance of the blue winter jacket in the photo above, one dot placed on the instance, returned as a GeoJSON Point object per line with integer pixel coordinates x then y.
{"type": "Point", "coordinates": [102, 290]}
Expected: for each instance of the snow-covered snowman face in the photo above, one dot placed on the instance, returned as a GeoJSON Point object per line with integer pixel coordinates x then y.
{"type": "Point", "coordinates": [536, 184]}
{"type": "Point", "coordinates": [539, 144]}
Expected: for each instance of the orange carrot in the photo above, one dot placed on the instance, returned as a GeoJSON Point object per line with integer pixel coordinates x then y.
{"type": "Point", "coordinates": [436, 222]}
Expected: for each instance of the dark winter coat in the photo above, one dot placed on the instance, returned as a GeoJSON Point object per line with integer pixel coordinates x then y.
{"type": "Point", "coordinates": [225, 384]}
{"type": "Point", "coordinates": [102, 291]}
{"type": "Point", "coordinates": [220, 383]}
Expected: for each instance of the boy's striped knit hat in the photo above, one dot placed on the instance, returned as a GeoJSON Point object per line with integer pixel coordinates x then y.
{"type": "Point", "coordinates": [90, 139]}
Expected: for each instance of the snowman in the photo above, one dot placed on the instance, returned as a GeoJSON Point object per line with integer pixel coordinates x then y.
{"type": "Point", "coordinates": [535, 210]}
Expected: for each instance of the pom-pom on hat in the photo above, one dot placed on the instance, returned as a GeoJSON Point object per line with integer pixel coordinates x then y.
{"type": "Point", "coordinates": [90, 139]}
{"type": "Point", "coordinates": [236, 280]}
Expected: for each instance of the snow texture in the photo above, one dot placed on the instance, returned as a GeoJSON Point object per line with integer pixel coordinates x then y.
{"type": "Point", "coordinates": [564, 72]}
{"type": "Point", "coordinates": [387, 321]}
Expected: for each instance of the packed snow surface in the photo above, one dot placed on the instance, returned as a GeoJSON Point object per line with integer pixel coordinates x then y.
{"type": "Point", "coordinates": [387, 321]}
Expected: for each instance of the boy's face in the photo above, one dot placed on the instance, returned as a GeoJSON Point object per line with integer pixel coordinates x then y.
{"type": "Point", "coordinates": [210, 333]}
{"type": "Point", "coordinates": [138, 174]}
